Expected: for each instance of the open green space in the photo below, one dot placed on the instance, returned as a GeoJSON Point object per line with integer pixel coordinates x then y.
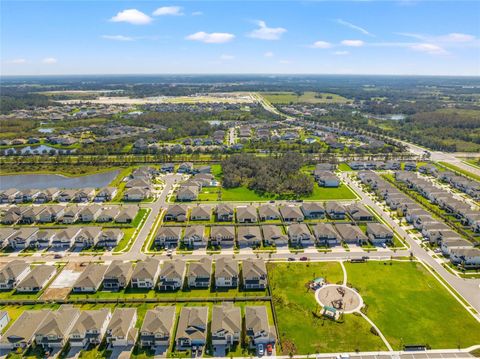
{"type": "Point", "coordinates": [301, 328]}
{"type": "Point", "coordinates": [304, 97]}
{"type": "Point", "coordinates": [410, 306]}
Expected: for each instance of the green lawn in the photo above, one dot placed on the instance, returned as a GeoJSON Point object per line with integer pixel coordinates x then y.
{"type": "Point", "coordinates": [330, 193]}
{"type": "Point", "coordinates": [242, 194]}
{"type": "Point", "coordinates": [411, 307]}
{"type": "Point", "coordinates": [300, 330]}
{"type": "Point", "coordinates": [306, 97]}
{"type": "Point", "coordinates": [344, 167]}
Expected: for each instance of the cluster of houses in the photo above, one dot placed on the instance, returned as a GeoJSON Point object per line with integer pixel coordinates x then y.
{"type": "Point", "coordinates": [40, 196]}
{"type": "Point", "coordinates": [459, 250]}
{"type": "Point", "coordinates": [470, 187]}
{"type": "Point", "coordinates": [60, 239]}
{"type": "Point", "coordinates": [392, 165]}
{"type": "Point", "coordinates": [246, 234]}
{"type": "Point", "coordinates": [23, 278]}
{"type": "Point", "coordinates": [53, 329]}
{"type": "Point", "coordinates": [442, 198]}
{"type": "Point", "coordinates": [189, 190]}
{"type": "Point", "coordinates": [139, 185]}
{"type": "Point", "coordinates": [61, 214]}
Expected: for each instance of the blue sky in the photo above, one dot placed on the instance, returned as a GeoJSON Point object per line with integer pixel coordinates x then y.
{"type": "Point", "coordinates": [324, 37]}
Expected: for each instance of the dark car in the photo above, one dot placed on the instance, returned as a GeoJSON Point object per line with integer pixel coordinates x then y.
{"type": "Point", "coordinates": [291, 259]}
{"type": "Point", "coordinates": [303, 258]}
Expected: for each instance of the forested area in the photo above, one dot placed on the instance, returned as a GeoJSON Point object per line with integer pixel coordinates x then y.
{"type": "Point", "coordinates": [280, 175]}
{"type": "Point", "coordinates": [15, 99]}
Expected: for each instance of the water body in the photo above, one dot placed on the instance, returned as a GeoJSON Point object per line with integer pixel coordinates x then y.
{"type": "Point", "coordinates": [34, 181]}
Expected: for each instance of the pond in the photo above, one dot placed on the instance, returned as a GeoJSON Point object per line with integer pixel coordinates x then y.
{"type": "Point", "coordinates": [39, 181]}
{"type": "Point", "coordinates": [46, 130]}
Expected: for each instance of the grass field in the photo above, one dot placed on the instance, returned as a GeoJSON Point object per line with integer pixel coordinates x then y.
{"type": "Point", "coordinates": [404, 300]}
{"type": "Point", "coordinates": [411, 307]}
{"type": "Point", "coordinates": [303, 333]}
{"type": "Point", "coordinates": [306, 97]}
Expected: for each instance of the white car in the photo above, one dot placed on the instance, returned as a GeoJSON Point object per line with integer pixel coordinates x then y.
{"type": "Point", "coordinates": [260, 350]}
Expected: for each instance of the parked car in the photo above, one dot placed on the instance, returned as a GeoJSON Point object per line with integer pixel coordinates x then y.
{"type": "Point", "coordinates": [291, 259]}
{"type": "Point", "coordinates": [303, 258]}
{"type": "Point", "coordinates": [260, 350]}
{"type": "Point", "coordinates": [269, 349]}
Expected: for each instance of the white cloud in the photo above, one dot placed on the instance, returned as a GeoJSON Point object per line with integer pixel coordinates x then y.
{"type": "Point", "coordinates": [354, 27]}
{"type": "Point", "coordinates": [268, 54]}
{"type": "Point", "coordinates": [211, 38]}
{"type": "Point", "coordinates": [457, 37]}
{"type": "Point", "coordinates": [321, 45]}
{"type": "Point", "coordinates": [132, 16]}
{"type": "Point", "coordinates": [267, 33]}
{"type": "Point", "coordinates": [353, 43]}
{"type": "Point", "coordinates": [50, 60]}
{"type": "Point", "coordinates": [117, 37]}
{"type": "Point", "coordinates": [168, 10]}
{"type": "Point", "coordinates": [431, 49]}
{"type": "Point", "coordinates": [341, 53]}
{"type": "Point", "coordinates": [19, 61]}
{"type": "Point", "coordinates": [197, 13]}
{"type": "Point", "coordinates": [226, 57]}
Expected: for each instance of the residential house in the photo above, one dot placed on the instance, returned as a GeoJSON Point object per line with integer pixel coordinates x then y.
{"type": "Point", "coordinates": [121, 329]}
{"type": "Point", "coordinates": [118, 275]}
{"type": "Point", "coordinates": [89, 213]}
{"type": "Point", "coordinates": [51, 214]}
{"type": "Point", "coordinates": [223, 236]}
{"type": "Point", "coordinates": [299, 235]}
{"type": "Point", "coordinates": [55, 329]}
{"type": "Point", "coordinates": [90, 279]}
{"type": "Point", "coordinates": [109, 238]}
{"type": "Point", "coordinates": [226, 273]}
{"type": "Point", "coordinates": [37, 278]}
{"type": "Point", "coordinates": [157, 327]}
{"type": "Point", "coordinates": [449, 244]}
{"type": "Point", "coordinates": [65, 238]}
{"type": "Point", "coordinates": [185, 167]}
{"type": "Point", "coordinates": [358, 212]}
{"type": "Point", "coordinates": [176, 212]}
{"type": "Point", "coordinates": [12, 273]}
{"type": "Point", "coordinates": [200, 213]}
{"type": "Point", "coordinates": [327, 179]}
{"type": "Point", "coordinates": [105, 194]}
{"type": "Point", "coordinates": [127, 214]}
{"type": "Point", "coordinates": [22, 332]}
{"type": "Point", "coordinates": [257, 326]}
{"type": "Point", "coordinates": [199, 273]}
{"type": "Point", "coordinates": [66, 195]}
{"type": "Point", "coordinates": [42, 238]}
{"type": "Point", "coordinates": [350, 233]}
{"type": "Point", "coordinates": [194, 237]}
{"type": "Point", "coordinates": [90, 328]}
{"type": "Point", "coordinates": [172, 274]}
{"type": "Point", "coordinates": [254, 274]}
{"type": "Point", "coordinates": [136, 194]}
{"type": "Point", "coordinates": [192, 328]}
{"type": "Point", "coordinates": [335, 210]}
{"type": "Point", "coordinates": [71, 214]}
{"type": "Point", "coordinates": [88, 237]}
{"type": "Point", "coordinates": [168, 237]}
{"type": "Point", "coordinates": [268, 212]}
{"type": "Point", "coordinates": [273, 236]}
{"type": "Point", "coordinates": [379, 233]}
{"type": "Point", "coordinates": [468, 258]}
{"type": "Point", "coordinates": [291, 213]}
{"type": "Point", "coordinates": [108, 214]}
{"type": "Point", "coordinates": [145, 274]}
{"type": "Point", "coordinates": [84, 195]}
{"type": "Point", "coordinates": [249, 236]}
{"type": "Point", "coordinates": [4, 320]}
{"type": "Point", "coordinates": [21, 238]}
{"type": "Point", "coordinates": [224, 212]}
{"type": "Point", "coordinates": [226, 327]}
{"type": "Point", "coordinates": [326, 235]}
{"type": "Point", "coordinates": [187, 193]}
{"type": "Point", "coordinates": [247, 214]}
